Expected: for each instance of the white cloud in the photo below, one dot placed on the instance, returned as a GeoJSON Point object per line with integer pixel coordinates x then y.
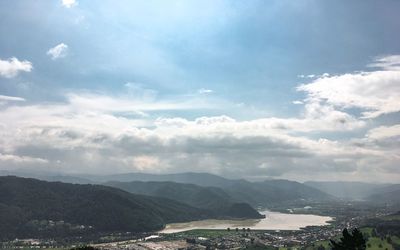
{"type": "Point", "coordinates": [317, 119]}
{"type": "Point", "coordinates": [20, 159]}
{"type": "Point", "coordinates": [134, 102]}
{"type": "Point", "coordinates": [391, 62]}
{"type": "Point", "coordinates": [69, 3]}
{"type": "Point", "coordinates": [59, 51]}
{"type": "Point", "coordinates": [313, 75]}
{"type": "Point", "coordinates": [384, 132]}
{"type": "Point", "coordinates": [375, 92]}
{"type": "Point", "coordinates": [11, 67]}
{"type": "Point", "coordinates": [98, 133]}
{"type": "Point", "coordinates": [11, 98]}
{"type": "Point", "coordinates": [88, 132]}
{"type": "Point", "coordinates": [205, 91]}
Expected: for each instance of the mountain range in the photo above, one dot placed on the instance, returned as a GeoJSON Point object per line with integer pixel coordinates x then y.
{"type": "Point", "coordinates": [257, 194]}
{"type": "Point", "coordinates": [388, 194]}
{"type": "Point", "coordinates": [372, 192]}
{"type": "Point", "coordinates": [214, 199]}
{"type": "Point", "coordinates": [31, 208]}
{"type": "Point", "coordinates": [261, 193]}
{"type": "Point", "coordinates": [138, 202]}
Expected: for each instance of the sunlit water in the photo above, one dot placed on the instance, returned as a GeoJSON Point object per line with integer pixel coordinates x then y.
{"type": "Point", "coordinates": [272, 221]}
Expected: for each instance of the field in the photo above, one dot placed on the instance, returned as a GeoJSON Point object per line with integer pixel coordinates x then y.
{"type": "Point", "coordinates": [376, 243]}
{"type": "Point", "coordinates": [373, 243]}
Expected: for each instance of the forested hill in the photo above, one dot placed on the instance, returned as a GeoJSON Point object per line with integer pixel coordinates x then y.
{"type": "Point", "coordinates": [262, 193]}
{"type": "Point", "coordinates": [29, 208]}
{"type": "Point", "coordinates": [219, 202]}
{"type": "Point", "coordinates": [265, 193]}
{"type": "Point", "coordinates": [388, 197]}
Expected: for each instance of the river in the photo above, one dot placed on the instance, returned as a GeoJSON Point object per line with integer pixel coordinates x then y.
{"type": "Point", "coordinates": [272, 221]}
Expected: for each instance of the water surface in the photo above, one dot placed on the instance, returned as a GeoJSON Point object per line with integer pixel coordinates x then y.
{"type": "Point", "coordinates": [272, 221]}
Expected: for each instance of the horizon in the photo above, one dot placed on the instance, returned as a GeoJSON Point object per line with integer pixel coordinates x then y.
{"type": "Point", "coordinates": [305, 90]}
{"type": "Point", "coordinates": [35, 174]}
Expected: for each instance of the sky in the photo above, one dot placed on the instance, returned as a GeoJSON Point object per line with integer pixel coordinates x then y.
{"type": "Point", "coordinates": [299, 90]}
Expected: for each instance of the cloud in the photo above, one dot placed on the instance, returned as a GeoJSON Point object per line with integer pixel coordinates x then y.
{"type": "Point", "coordinates": [59, 51]}
{"type": "Point", "coordinates": [11, 98]}
{"type": "Point", "coordinates": [69, 3]}
{"type": "Point", "coordinates": [376, 93]}
{"type": "Point", "coordinates": [88, 134]}
{"type": "Point", "coordinates": [132, 102]}
{"type": "Point", "coordinates": [316, 119]}
{"type": "Point", "coordinates": [384, 132]}
{"type": "Point", "coordinates": [204, 91]}
{"type": "Point", "coordinates": [20, 159]}
{"type": "Point", "coordinates": [11, 67]}
{"type": "Point", "coordinates": [139, 91]}
{"type": "Point", "coordinates": [307, 76]}
{"type": "Point", "coordinates": [97, 133]}
{"type": "Point", "coordinates": [391, 62]}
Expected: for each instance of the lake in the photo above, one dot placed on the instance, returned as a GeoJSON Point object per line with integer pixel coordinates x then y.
{"type": "Point", "coordinates": [272, 221]}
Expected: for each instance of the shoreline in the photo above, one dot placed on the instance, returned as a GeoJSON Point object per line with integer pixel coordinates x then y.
{"type": "Point", "coordinates": [273, 221]}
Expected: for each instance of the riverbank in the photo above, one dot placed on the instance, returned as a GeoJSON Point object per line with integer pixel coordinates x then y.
{"type": "Point", "coordinates": [272, 221]}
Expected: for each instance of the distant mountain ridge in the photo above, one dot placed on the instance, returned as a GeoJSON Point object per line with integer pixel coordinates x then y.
{"type": "Point", "coordinates": [257, 194]}
{"type": "Point", "coordinates": [351, 190]}
{"type": "Point", "coordinates": [214, 199]}
{"type": "Point", "coordinates": [389, 195]}
{"type": "Point", "coordinates": [200, 179]}
{"type": "Point", "coordinates": [270, 192]}
{"type": "Point", "coordinates": [48, 176]}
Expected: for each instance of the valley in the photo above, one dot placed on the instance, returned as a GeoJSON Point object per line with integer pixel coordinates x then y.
{"type": "Point", "coordinates": [116, 213]}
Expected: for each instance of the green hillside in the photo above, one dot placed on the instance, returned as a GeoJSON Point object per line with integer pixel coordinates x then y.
{"type": "Point", "coordinates": [214, 199]}
{"type": "Point", "coordinates": [262, 193]}
{"type": "Point", "coordinates": [30, 208]}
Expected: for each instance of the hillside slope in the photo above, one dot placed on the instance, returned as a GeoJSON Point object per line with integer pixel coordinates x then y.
{"type": "Point", "coordinates": [26, 203]}
{"type": "Point", "coordinates": [214, 199]}
{"type": "Point", "coordinates": [270, 192]}
{"type": "Point", "coordinates": [263, 193]}
{"type": "Point", "coordinates": [388, 197]}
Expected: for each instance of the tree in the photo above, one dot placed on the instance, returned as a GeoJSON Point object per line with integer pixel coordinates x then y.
{"type": "Point", "coordinates": [353, 241]}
